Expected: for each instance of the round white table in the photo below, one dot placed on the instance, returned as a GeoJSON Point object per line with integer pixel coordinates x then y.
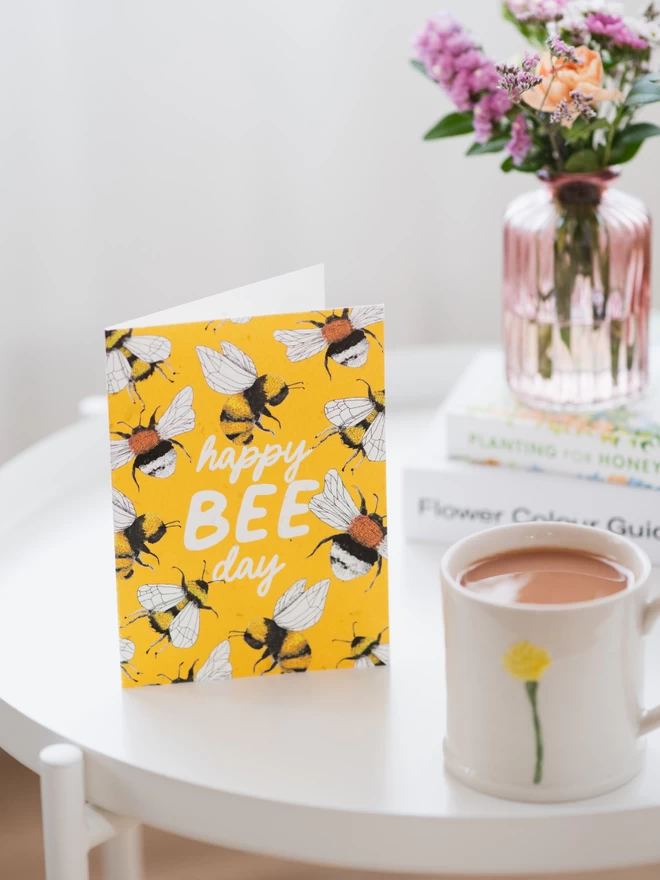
{"type": "Point", "coordinates": [342, 768]}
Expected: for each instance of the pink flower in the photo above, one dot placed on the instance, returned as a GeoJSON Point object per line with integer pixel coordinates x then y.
{"type": "Point", "coordinates": [541, 11]}
{"type": "Point", "coordinates": [521, 140]}
{"type": "Point", "coordinates": [615, 30]}
{"type": "Point", "coordinates": [457, 63]}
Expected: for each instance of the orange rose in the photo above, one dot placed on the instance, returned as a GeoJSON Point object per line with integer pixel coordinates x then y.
{"type": "Point", "coordinates": [586, 76]}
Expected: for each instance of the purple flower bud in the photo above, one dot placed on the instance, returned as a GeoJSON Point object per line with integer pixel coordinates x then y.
{"type": "Point", "coordinates": [516, 80]}
{"type": "Point", "coordinates": [559, 49]}
{"type": "Point", "coordinates": [530, 61]}
{"type": "Point", "coordinates": [562, 113]}
{"type": "Point", "coordinates": [582, 104]}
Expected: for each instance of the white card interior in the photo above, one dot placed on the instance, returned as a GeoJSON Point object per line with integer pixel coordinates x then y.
{"type": "Point", "coordinates": [300, 291]}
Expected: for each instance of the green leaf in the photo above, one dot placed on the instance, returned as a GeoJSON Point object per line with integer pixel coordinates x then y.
{"type": "Point", "coordinates": [636, 133]}
{"type": "Point", "coordinates": [494, 145]}
{"type": "Point", "coordinates": [648, 77]}
{"type": "Point", "coordinates": [450, 126]}
{"type": "Point", "coordinates": [622, 153]}
{"type": "Point", "coordinates": [529, 166]}
{"type": "Point", "coordinates": [581, 130]}
{"type": "Point", "coordinates": [583, 160]}
{"type": "Point", "coordinates": [644, 91]}
{"type": "Point", "coordinates": [418, 66]}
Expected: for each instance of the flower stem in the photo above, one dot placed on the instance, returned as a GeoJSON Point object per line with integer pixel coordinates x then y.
{"type": "Point", "coordinates": [532, 689]}
{"type": "Point", "coordinates": [610, 137]}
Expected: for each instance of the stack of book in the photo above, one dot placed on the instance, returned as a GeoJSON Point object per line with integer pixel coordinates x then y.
{"type": "Point", "coordinates": [488, 460]}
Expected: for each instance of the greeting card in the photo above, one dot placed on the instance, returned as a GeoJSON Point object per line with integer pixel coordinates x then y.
{"type": "Point", "coordinates": [247, 447]}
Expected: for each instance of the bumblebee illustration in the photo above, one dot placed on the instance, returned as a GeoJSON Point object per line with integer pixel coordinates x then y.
{"type": "Point", "coordinates": [126, 653]}
{"type": "Point", "coordinates": [366, 652]}
{"type": "Point", "coordinates": [360, 424]}
{"type": "Point", "coordinates": [363, 542]}
{"type": "Point", "coordinates": [133, 533]}
{"type": "Point", "coordinates": [343, 337]}
{"type": "Point", "coordinates": [152, 446]}
{"type": "Point", "coordinates": [231, 371]}
{"type": "Point", "coordinates": [224, 321]}
{"type": "Point", "coordinates": [281, 637]}
{"type": "Point", "coordinates": [173, 611]}
{"type": "Point", "coordinates": [131, 359]}
{"type": "Point", "coordinates": [216, 667]}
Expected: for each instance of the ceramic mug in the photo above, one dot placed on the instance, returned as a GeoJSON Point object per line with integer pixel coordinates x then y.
{"type": "Point", "coordinates": [544, 701]}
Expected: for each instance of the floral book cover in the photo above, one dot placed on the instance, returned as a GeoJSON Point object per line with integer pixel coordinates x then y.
{"type": "Point", "coordinates": [248, 493]}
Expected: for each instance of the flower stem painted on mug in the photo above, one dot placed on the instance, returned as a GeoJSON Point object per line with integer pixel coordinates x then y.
{"type": "Point", "coordinates": [532, 688]}
{"type": "Point", "coordinates": [527, 663]}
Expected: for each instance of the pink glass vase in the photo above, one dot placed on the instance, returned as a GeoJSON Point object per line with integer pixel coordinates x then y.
{"type": "Point", "coordinates": [577, 258]}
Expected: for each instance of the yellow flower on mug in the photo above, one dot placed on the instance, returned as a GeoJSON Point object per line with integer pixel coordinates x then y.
{"type": "Point", "coordinates": [526, 662]}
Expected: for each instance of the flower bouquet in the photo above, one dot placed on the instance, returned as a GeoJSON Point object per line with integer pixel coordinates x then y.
{"type": "Point", "coordinates": [577, 254]}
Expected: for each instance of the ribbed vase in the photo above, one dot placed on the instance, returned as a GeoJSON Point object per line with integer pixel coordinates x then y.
{"type": "Point", "coordinates": [577, 258]}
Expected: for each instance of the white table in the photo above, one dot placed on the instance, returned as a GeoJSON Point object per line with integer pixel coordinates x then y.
{"type": "Point", "coordinates": [343, 768]}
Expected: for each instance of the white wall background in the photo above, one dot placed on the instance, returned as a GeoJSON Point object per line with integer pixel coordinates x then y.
{"type": "Point", "coordinates": [156, 151]}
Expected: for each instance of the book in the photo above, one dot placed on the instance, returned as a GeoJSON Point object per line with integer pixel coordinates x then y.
{"type": "Point", "coordinates": [247, 454]}
{"type": "Point", "coordinates": [486, 424]}
{"type": "Point", "coordinates": [446, 499]}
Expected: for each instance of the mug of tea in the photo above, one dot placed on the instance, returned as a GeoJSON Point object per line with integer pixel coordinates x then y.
{"type": "Point", "coordinates": [544, 630]}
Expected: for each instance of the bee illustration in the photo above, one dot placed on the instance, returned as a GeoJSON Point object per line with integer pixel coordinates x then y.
{"type": "Point", "coordinates": [216, 667]}
{"type": "Point", "coordinates": [232, 372]}
{"type": "Point", "coordinates": [224, 321]}
{"type": "Point", "coordinates": [296, 610]}
{"type": "Point", "coordinates": [344, 336]}
{"type": "Point", "coordinates": [363, 541]}
{"type": "Point", "coordinates": [152, 446]}
{"type": "Point", "coordinates": [366, 652]}
{"type": "Point", "coordinates": [173, 611]}
{"type": "Point", "coordinates": [131, 359]}
{"type": "Point", "coordinates": [126, 652]}
{"type": "Point", "coordinates": [133, 533]}
{"type": "Point", "coordinates": [360, 424]}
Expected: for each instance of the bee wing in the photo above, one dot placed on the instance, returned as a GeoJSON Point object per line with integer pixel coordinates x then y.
{"type": "Point", "coordinates": [123, 511]}
{"type": "Point", "coordinates": [120, 453]}
{"type": "Point", "coordinates": [348, 412]}
{"type": "Point", "coordinates": [117, 371]}
{"type": "Point", "coordinates": [304, 608]}
{"type": "Point", "coordinates": [160, 597]}
{"type": "Point", "coordinates": [363, 663]}
{"type": "Point", "coordinates": [301, 344]}
{"type": "Point", "coordinates": [293, 593]}
{"type": "Point", "coordinates": [240, 320]}
{"type": "Point", "coordinates": [382, 653]}
{"type": "Point", "coordinates": [334, 506]}
{"type": "Point", "coordinates": [362, 316]}
{"type": "Point", "coordinates": [217, 666]}
{"type": "Point", "coordinates": [179, 416]}
{"type": "Point", "coordinates": [150, 349]}
{"type": "Point", "coordinates": [373, 441]}
{"type": "Point", "coordinates": [126, 650]}
{"type": "Point", "coordinates": [184, 629]}
{"type": "Point", "coordinates": [230, 371]}
{"type": "Point", "coordinates": [382, 548]}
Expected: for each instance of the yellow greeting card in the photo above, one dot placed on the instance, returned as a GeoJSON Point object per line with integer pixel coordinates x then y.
{"type": "Point", "coordinates": [247, 447]}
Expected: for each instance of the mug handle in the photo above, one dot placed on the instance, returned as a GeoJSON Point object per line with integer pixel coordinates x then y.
{"type": "Point", "coordinates": [650, 717]}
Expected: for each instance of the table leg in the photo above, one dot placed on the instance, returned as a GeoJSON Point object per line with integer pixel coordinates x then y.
{"type": "Point", "coordinates": [122, 856]}
{"type": "Point", "coordinates": [63, 813]}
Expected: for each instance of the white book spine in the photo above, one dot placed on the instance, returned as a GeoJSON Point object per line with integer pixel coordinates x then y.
{"type": "Point", "coordinates": [447, 503]}
{"type": "Point", "coordinates": [533, 447]}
